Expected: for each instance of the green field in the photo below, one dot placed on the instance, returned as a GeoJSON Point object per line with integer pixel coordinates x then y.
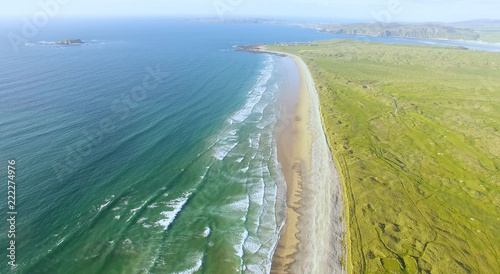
{"type": "Point", "coordinates": [415, 132]}
{"type": "Point", "coordinates": [489, 36]}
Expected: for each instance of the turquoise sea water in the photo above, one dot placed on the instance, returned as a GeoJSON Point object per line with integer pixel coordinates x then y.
{"type": "Point", "coordinates": [151, 148]}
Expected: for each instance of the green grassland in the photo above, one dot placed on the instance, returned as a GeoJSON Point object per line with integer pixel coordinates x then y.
{"type": "Point", "coordinates": [489, 36]}
{"type": "Point", "coordinates": [415, 132]}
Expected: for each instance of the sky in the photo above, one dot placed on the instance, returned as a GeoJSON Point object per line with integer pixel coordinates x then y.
{"type": "Point", "coordinates": [321, 10]}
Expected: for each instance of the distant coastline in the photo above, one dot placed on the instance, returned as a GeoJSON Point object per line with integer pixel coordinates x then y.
{"type": "Point", "coordinates": [481, 31]}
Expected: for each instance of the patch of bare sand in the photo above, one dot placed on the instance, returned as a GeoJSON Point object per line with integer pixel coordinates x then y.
{"type": "Point", "coordinates": [312, 238]}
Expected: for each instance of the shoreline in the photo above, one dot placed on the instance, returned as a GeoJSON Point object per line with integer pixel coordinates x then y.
{"type": "Point", "coordinates": [309, 242]}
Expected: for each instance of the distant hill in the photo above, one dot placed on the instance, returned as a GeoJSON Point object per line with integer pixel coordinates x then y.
{"type": "Point", "coordinates": [488, 30]}
{"type": "Point", "coordinates": [481, 24]}
{"type": "Point", "coordinates": [422, 31]}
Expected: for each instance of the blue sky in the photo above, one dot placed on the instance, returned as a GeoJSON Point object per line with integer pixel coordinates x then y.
{"type": "Point", "coordinates": [332, 10]}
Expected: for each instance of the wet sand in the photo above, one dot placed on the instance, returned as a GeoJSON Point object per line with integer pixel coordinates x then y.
{"type": "Point", "coordinates": [312, 238]}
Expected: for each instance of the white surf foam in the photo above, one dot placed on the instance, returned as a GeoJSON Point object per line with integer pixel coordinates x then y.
{"type": "Point", "coordinates": [153, 205]}
{"type": "Point", "coordinates": [241, 205]}
{"type": "Point", "coordinates": [206, 232]}
{"type": "Point", "coordinates": [239, 247]}
{"type": "Point", "coordinates": [134, 211]}
{"type": "Point", "coordinates": [43, 43]}
{"type": "Point", "coordinates": [199, 262]}
{"type": "Point", "coordinates": [61, 241]}
{"type": "Point", "coordinates": [252, 245]}
{"type": "Point", "coordinates": [255, 140]}
{"type": "Point", "coordinates": [255, 94]}
{"type": "Point", "coordinates": [257, 195]}
{"type": "Point", "coordinates": [266, 122]}
{"type": "Point", "coordinates": [170, 216]}
{"type": "Point", "coordinates": [106, 202]}
{"type": "Point", "coordinates": [243, 113]}
{"type": "Point", "coordinates": [225, 147]}
{"type": "Point", "coordinates": [255, 269]}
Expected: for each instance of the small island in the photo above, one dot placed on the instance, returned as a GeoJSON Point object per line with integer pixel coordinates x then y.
{"type": "Point", "coordinates": [71, 42]}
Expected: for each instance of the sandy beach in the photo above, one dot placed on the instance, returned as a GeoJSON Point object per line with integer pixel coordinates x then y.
{"type": "Point", "coordinates": [312, 239]}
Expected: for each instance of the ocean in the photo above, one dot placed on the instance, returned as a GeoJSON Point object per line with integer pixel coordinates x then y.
{"type": "Point", "coordinates": [150, 148]}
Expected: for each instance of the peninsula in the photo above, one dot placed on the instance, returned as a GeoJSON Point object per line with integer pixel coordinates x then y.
{"type": "Point", "coordinates": [422, 31]}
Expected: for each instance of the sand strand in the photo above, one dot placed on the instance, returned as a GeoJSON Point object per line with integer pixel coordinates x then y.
{"type": "Point", "coordinates": [311, 241]}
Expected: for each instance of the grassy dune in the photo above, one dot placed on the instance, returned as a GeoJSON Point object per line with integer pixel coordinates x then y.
{"type": "Point", "coordinates": [415, 132]}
